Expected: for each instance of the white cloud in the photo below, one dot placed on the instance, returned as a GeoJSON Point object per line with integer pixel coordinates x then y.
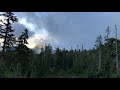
{"type": "Point", "coordinates": [27, 24]}
{"type": "Point", "coordinates": [35, 24]}
{"type": "Point", "coordinates": [68, 29]}
{"type": "Point", "coordinates": [37, 39]}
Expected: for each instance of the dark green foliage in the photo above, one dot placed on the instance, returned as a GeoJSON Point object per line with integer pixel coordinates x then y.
{"type": "Point", "coordinates": [23, 57]}
{"type": "Point", "coordinates": [23, 38]}
{"type": "Point", "coordinates": [6, 30]}
{"type": "Point", "coordinates": [23, 62]}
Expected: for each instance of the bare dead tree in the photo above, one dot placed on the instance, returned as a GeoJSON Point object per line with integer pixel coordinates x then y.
{"type": "Point", "coordinates": [117, 65]}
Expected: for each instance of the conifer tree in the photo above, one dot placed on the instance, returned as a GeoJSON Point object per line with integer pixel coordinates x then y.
{"type": "Point", "coordinates": [23, 37]}
{"type": "Point", "coordinates": [6, 30]}
{"type": "Point", "coordinates": [98, 45]}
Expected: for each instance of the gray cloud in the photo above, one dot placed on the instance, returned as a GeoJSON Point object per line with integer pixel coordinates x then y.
{"type": "Point", "coordinates": [19, 28]}
{"type": "Point", "coordinates": [80, 27]}
{"type": "Point", "coordinates": [32, 17]}
{"type": "Point", "coordinates": [69, 29]}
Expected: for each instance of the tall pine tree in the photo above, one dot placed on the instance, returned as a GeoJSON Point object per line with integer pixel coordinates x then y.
{"type": "Point", "coordinates": [6, 30]}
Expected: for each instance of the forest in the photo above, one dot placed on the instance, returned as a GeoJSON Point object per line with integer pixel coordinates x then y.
{"type": "Point", "coordinates": [19, 61]}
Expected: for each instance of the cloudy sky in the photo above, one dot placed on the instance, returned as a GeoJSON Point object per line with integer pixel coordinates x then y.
{"type": "Point", "coordinates": [66, 29]}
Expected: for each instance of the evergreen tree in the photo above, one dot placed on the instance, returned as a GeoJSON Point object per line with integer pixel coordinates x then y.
{"type": "Point", "coordinates": [23, 53]}
{"type": "Point", "coordinates": [98, 45]}
{"type": "Point", "coordinates": [6, 30]}
{"type": "Point", "coordinates": [23, 37]}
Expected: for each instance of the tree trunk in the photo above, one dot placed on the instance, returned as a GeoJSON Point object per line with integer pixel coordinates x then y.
{"type": "Point", "coordinates": [117, 68]}
{"type": "Point", "coordinates": [99, 66]}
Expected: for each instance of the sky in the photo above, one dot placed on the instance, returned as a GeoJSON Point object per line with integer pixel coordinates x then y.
{"type": "Point", "coordinates": [66, 29]}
